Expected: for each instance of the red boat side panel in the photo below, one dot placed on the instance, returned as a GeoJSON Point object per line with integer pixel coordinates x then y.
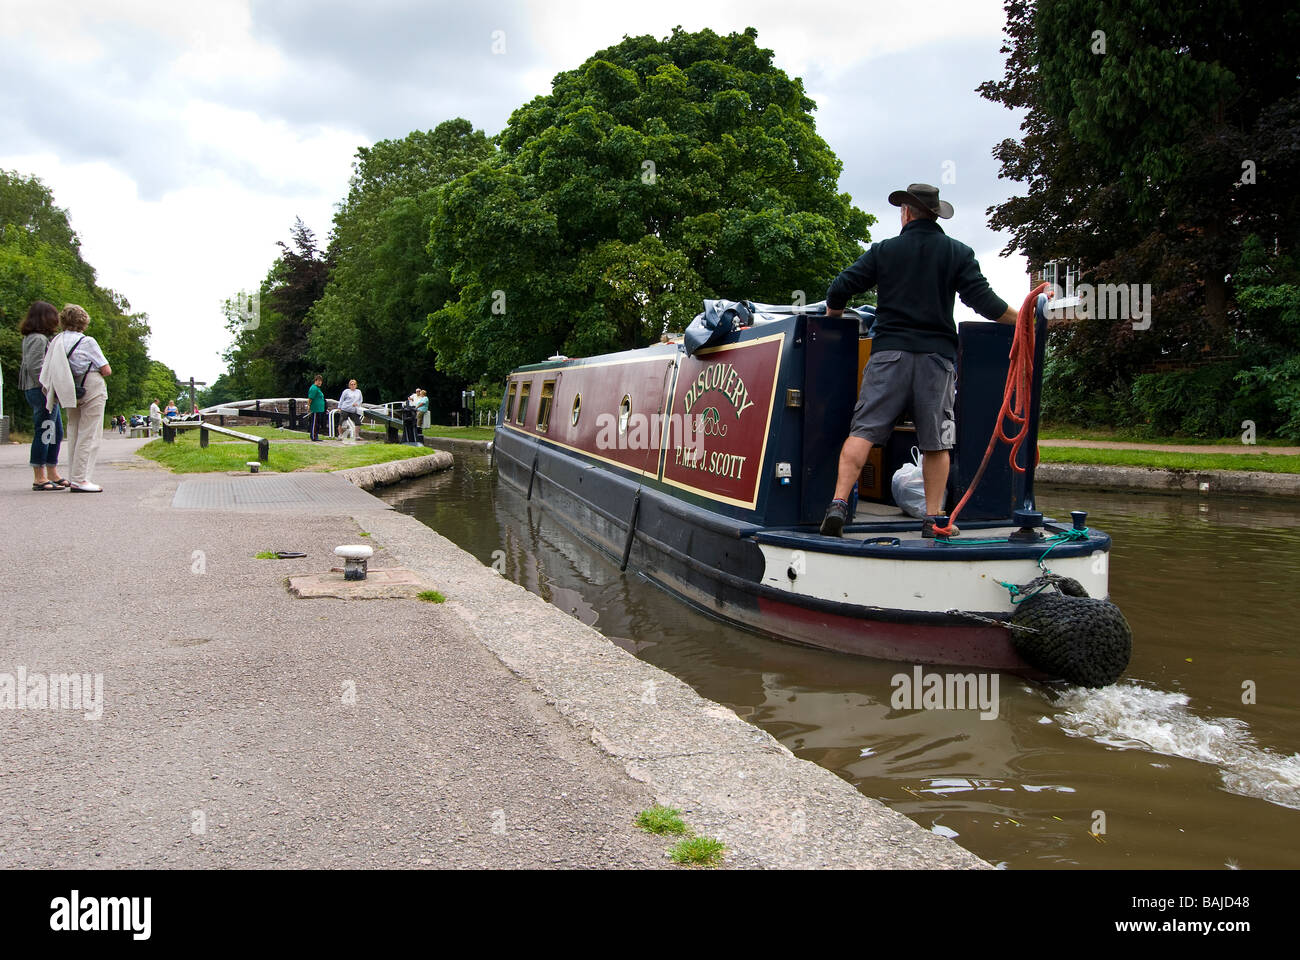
{"type": "Point", "coordinates": [599, 389]}
{"type": "Point", "coordinates": [733, 389]}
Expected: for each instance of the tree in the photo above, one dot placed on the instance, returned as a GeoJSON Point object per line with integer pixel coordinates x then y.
{"type": "Point", "coordinates": [1268, 293]}
{"type": "Point", "coordinates": [1158, 136]}
{"type": "Point", "coordinates": [658, 173]}
{"type": "Point", "coordinates": [296, 281]}
{"type": "Point", "coordinates": [383, 283]}
{"type": "Point", "coordinates": [268, 355]}
{"type": "Point", "coordinates": [40, 259]}
{"type": "Point", "coordinates": [160, 384]}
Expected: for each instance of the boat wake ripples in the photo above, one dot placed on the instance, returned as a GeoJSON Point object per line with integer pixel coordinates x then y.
{"type": "Point", "coordinates": [1132, 717]}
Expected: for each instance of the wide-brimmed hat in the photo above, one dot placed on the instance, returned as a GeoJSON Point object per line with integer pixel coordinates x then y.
{"type": "Point", "coordinates": [924, 196]}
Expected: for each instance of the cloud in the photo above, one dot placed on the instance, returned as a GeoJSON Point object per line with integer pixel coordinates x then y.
{"type": "Point", "coordinates": [185, 138]}
{"type": "Point", "coordinates": [390, 67]}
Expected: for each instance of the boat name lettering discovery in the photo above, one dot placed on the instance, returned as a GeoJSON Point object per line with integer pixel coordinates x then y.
{"type": "Point", "coordinates": [724, 378]}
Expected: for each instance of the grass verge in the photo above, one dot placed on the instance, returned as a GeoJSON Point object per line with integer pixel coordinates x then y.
{"type": "Point", "coordinates": [1262, 462]}
{"type": "Point", "coordinates": [186, 456]}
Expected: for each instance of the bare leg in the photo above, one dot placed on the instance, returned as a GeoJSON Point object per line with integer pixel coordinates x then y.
{"type": "Point", "coordinates": [38, 474]}
{"type": "Point", "coordinates": [934, 471]}
{"type": "Point", "coordinates": [853, 456]}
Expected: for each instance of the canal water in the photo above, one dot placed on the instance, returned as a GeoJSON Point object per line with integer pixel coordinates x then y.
{"type": "Point", "coordinates": [1189, 762]}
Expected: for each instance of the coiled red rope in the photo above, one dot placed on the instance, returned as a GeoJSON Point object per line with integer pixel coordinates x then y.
{"type": "Point", "coordinates": [1016, 396]}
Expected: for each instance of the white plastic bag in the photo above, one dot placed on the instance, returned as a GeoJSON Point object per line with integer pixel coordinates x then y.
{"type": "Point", "coordinates": [908, 487]}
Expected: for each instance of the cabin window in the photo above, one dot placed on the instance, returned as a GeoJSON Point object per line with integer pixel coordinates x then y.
{"type": "Point", "coordinates": [510, 399]}
{"type": "Point", "coordinates": [624, 413]}
{"type": "Point", "coordinates": [523, 404]}
{"type": "Point", "coordinates": [544, 405]}
{"type": "Point", "coordinates": [577, 408]}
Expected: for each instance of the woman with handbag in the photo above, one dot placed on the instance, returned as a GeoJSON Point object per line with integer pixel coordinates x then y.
{"type": "Point", "coordinates": [88, 367]}
{"type": "Point", "coordinates": [40, 324]}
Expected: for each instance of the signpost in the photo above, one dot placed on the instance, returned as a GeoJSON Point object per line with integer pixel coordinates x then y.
{"type": "Point", "coordinates": [194, 397]}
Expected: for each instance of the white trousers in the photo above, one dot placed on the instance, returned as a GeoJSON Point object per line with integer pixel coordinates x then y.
{"type": "Point", "coordinates": [86, 429]}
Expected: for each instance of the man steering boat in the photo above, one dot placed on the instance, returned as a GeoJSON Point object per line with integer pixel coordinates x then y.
{"type": "Point", "coordinates": [914, 351]}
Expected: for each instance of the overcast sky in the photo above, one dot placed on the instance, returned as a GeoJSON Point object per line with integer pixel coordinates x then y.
{"type": "Point", "coordinates": [184, 138]}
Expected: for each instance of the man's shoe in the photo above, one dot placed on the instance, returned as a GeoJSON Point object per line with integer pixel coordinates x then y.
{"type": "Point", "coordinates": [86, 488]}
{"type": "Point", "coordinates": [836, 514]}
{"type": "Point", "coordinates": [927, 529]}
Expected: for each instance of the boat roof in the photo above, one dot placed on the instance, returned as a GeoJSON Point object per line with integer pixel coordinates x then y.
{"type": "Point", "coordinates": [762, 313]}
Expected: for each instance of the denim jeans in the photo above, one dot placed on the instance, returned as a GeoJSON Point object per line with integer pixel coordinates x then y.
{"type": "Point", "coordinates": [44, 454]}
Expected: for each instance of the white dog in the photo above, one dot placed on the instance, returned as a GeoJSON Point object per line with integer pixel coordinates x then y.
{"type": "Point", "coordinates": [348, 432]}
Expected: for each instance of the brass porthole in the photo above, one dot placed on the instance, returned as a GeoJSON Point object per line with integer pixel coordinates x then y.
{"type": "Point", "coordinates": [624, 413]}
{"type": "Point", "coordinates": [577, 408]}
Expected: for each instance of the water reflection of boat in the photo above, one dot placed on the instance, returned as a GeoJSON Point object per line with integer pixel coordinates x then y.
{"type": "Point", "coordinates": [710, 474]}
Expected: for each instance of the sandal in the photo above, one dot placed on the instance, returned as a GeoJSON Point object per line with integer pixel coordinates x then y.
{"type": "Point", "coordinates": [61, 482]}
{"type": "Point", "coordinates": [45, 485]}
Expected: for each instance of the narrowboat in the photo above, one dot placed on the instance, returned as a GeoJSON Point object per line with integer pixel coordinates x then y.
{"type": "Point", "coordinates": [710, 471]}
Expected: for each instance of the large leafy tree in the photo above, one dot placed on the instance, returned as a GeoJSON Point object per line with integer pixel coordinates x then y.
{"type": "Point", "coordinates": [658, 173]}
{"type": "Point", "coordinates": [40, 259]}
{"type": "Point", "coordinates": [369, 323]}
{"type": "Point", "coordinates": [1158, 136]}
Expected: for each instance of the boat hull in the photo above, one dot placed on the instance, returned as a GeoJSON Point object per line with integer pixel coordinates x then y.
{"type": "Point", "coordinates": [719, 566]}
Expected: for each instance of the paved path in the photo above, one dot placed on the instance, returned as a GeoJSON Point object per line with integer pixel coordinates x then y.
{"type": "Point", "coordinates": [300, 733]}
{"type": "Point", "coordinates": [1173, 448]}
{"type": "Point", "coordinates": [243, 727]}
{"type": "Point", "coordinates": [317, 493]}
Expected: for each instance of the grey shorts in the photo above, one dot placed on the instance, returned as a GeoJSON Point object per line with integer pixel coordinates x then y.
{"type": "Point", "coordinates": [897, 381]}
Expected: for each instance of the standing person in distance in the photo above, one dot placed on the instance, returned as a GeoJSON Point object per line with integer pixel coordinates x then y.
{"type": "Point", "coordinates": [40, 324]}
{"type": "Point", "coordinates": [316, 396]}
{"type": "Point", "coordinates": [155, 417]}
{"type": "Point", "coordinates": [350, 406]}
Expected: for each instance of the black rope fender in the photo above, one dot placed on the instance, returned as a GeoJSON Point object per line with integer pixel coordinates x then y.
{"type": "Point", "coordinates": [1068, 634]}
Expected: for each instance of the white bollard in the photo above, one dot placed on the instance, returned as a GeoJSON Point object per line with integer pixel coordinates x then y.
{"type": "Point", "coordinates": [354, 557]}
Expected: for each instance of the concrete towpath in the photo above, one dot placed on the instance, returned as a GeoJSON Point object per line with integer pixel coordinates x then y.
{"type": "Point", "coordinates": [240, 726]}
